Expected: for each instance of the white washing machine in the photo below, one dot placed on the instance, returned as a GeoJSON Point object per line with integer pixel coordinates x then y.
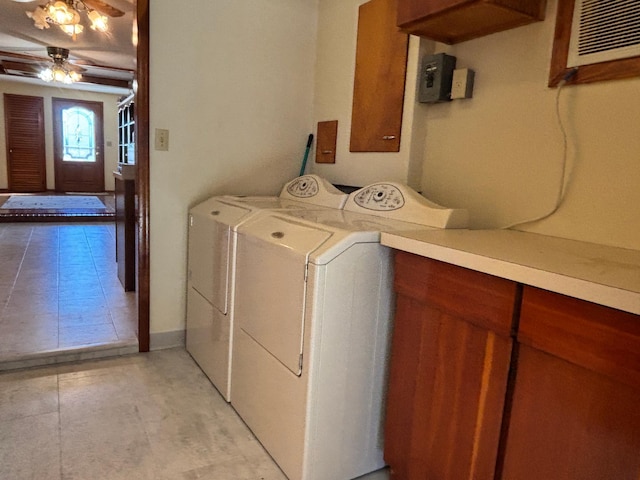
{"type": "Point", "coordinates": [211, 260]}
{"type": "Point", "coordinates": [313, 314]}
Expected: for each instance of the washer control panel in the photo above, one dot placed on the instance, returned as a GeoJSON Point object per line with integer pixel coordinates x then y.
{"type": "Point", "coordinates": [303, 187]}
{"type": "Point", "coordinates": [380, 197]}
{"type": "Point", "coordinates": [396, 201]}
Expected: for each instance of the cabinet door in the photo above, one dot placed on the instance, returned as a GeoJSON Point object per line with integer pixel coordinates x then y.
{"type": "Point", "coordinates": [576, 404]}
{"type": "Point", "coordinates": [450, 361]}
{"type": "Point", "coordinates": [378, 92]}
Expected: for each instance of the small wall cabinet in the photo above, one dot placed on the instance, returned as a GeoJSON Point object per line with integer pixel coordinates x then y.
{"type": "Point", "coordinates": [453, 21]}
{"type": "Point", "coordinates": [491, 379]}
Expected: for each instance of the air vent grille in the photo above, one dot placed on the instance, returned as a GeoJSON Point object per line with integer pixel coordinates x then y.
{"type": "Point", "coordinates": [604, 30]}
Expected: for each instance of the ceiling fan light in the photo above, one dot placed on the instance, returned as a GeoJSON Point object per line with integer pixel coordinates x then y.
{"type": "Point", "coordinates": [62, 14]}
{"type": "Point", "coordinates": [72, 29]}
{"type": "Point", "coordinates": [46, 75]}
{"type": "Point", "coordinates": [98, 22]}
{"type": "Point", "coordinates": [60, 74]}
{"type": "Point", "coordinates": [60, 71]}
{"type": "Point", "coordinates": [39, 17]}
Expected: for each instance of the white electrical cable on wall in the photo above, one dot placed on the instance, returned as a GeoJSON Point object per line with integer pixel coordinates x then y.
{"type": "Point", "coordinates": [564, 180]}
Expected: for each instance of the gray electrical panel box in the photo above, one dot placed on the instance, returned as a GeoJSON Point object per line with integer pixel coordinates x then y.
{"type": "Point", "coordinates": [435, 78]}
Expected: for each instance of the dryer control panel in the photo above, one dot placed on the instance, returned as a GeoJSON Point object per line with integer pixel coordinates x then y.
{"type": "Point", "coordinates": [303, 187]}
{"type": "Point", "coordinates": [314, 190]}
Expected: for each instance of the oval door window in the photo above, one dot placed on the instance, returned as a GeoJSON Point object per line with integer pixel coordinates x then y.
{"type": "Point", "coordinates": [78, 135]}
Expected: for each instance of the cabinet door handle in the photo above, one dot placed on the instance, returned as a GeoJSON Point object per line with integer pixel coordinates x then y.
{"type": "Point", "coordinates": [389, 137]}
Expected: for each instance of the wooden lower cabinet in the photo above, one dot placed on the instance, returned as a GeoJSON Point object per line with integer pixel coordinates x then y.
{"type": "Point", "coordinates": [468, 401]}
{"type": "Point", "coordinates": [126, 244]}
{"type": "Point", "coordinates": [449, 371]}
{"type": "Point", "coordinates": [576, 403]}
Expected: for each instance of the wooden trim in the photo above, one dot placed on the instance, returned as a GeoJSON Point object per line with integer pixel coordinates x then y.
{"type": "Point", "coordinates": [142, 184]}
{"type": "Point", "coordinates": [613, 70]}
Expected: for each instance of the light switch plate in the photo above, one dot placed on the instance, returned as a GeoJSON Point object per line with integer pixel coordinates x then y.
{"type": "Point", "coordinates": [462, 84]}
{"type": "Point", "coordinates": [161, 139]}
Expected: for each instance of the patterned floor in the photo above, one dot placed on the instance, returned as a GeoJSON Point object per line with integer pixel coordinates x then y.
{"type": "Point", "coordinates": [60, 294]}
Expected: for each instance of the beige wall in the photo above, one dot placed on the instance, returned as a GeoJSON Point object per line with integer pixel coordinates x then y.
{"type": "Point", "coordinates": [335, 66]}
{"type": "Point", "coordinates": [233, 84]}
{"type": "Point", "coordinates": [499, 154]}
{"type": "Point", "coordinates": [110, 118]}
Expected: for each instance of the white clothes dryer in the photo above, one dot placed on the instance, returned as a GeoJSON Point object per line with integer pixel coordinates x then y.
{"type": "Point", "coordinates": [211, 261]}
{"type": "Point", "coordinates": [313, 314]}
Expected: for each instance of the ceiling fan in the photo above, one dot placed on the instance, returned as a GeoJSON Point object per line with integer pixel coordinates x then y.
{"type": "Point", "coordinates": [66, 14]}
{"type": "Point", "coordinates": [61, 70]}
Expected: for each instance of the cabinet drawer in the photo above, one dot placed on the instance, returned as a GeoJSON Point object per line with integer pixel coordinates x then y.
{"type": "Point", "coordinates": [481, 299]}
{"type": "Point", "coordinates": [601, 339]}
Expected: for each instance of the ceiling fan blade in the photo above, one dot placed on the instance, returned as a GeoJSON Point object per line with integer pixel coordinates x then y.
{"type": "Point", "coordinates": [20, 68]}
{"type": "Point", "coordinates": [104, 8]}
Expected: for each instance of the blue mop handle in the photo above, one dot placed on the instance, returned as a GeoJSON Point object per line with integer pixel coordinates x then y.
{"type": "Point", "coordinates": [306, 154]}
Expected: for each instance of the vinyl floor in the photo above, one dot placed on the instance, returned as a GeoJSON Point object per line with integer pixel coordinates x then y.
{"type": "Point", "coordinates": [152, 416]}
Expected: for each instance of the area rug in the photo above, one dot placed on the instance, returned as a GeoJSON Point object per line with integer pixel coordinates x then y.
{"type": "Point", "coordinates": [52, 202]}
{"type": "Point", "coordinates": [48, 208]}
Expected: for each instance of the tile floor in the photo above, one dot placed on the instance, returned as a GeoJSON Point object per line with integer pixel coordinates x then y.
{"type": "Point", "coordinates": [136, 417]}
{"type": "Point", "coordinates": [60, 298]}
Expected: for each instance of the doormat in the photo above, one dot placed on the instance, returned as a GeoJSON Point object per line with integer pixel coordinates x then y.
{"type": "Point", "coordinates": [54, 208]}
{"type": "Point", "coordinates": [55, 202]}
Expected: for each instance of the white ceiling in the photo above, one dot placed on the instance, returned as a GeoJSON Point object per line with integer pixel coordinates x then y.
{"type": "Point", "coordinates": [105, 56]}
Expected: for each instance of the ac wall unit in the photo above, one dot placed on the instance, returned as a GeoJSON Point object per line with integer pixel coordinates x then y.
{"type": "Point", "coordinates": [604, 30]}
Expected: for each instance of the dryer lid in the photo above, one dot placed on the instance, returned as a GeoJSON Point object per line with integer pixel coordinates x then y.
{"type": "Point", "coordinates": [217, 210]}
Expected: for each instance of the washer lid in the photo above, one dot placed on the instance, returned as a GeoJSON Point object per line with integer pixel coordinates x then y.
{"type": "Point", "coordinates": [285, 232]}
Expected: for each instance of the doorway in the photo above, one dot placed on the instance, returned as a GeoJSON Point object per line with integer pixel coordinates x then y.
{"type": "Point", "coordinates": [142, 184]}
{"type": "Point", "coordinates": [78, 145]}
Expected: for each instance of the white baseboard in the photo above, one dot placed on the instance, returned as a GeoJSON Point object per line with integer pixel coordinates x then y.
{"type": "Point", "coordinates": [162, 340]}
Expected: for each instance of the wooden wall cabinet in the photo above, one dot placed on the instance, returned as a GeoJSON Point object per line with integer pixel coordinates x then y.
{"type": "Point", "coordinates": [494, 380]}
{"type": "Point", "coordinates": [378, 91]}
{"type": "Point", "coordinates": [453, 21]}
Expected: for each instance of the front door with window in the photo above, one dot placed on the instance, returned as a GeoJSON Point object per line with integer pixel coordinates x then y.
{"type": "Point", "coordinates": [78, 145]}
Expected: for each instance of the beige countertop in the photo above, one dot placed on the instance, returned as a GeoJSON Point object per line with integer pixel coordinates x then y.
{"type": "Point", "coordinates": [605, 275]}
